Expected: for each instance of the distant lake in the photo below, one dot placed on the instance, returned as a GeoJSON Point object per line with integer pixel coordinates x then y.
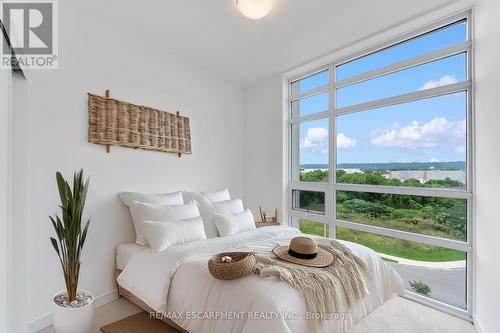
{"type": "Point", "coordinates": [457, 165]}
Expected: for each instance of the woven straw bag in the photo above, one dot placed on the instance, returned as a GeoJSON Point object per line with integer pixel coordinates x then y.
{"type": "Point", "coordinates": [240, 264]}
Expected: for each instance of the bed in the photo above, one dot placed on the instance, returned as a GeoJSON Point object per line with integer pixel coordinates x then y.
{"type": "Point", "coordinates": [125, 252]}
{"type": "Point", "coordinates": [176, 283]}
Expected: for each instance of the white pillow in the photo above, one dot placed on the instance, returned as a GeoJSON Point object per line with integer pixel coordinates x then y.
{"type": "Point", "coordinates": [229, 224]}
{"type": "Point", "coordinates": [151, 212]}
{"type": "Point", "coordinates": [162, 235]}
{"type": "Point", "coordinates": [128, 198]}
{"type": "Point", "coordinates": [180, 212]}
{"type": "Point", "coordinates": [174, 198]}
{"type": "Point", "coordinates": [229, 206]}
{"type": "Point", "coordinates": [207, 211]}
{"type": "Point", "coordinates": [216, 196]}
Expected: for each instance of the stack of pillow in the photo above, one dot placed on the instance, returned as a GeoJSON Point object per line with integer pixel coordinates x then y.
{"type": "Point", "coordinates": [165, 220]}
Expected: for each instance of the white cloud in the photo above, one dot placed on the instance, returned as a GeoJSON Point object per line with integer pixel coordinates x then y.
{"type": "Point", "coordinates": [317, 133]}
{"type": "Point", "coordinates": [434, 133]}
{"type": "Point", "coordinates": [434, 159]}
{"type": "Point", "coordinates": [316, 140]}
{"type": "Point", "coordinates": [344, 142]}
{"type": "Point", "coordinates": [443, 80]}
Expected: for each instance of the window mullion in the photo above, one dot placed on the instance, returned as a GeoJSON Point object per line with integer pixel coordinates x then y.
{"type": "Point", "coordinates": [332, 163]}
{"type": "Point", "coordinates": [299, 213]}
{"type": "Point", "coordinates": [428, 29]}
{"type": "Point", "coordinates": [405, 98]}
{"type": "Point", "coordinates": [309, 186]}
{"type": "Point", "coordinates": [395, 233]}
{"type": "Point", "coordinates": [312, 92]}
{"type": "Point", "coordinates": [405, 64]}
{"type": "Point", "coordinates": [406, 190]}
{"type": "Point", "coordinates": [310, 117]}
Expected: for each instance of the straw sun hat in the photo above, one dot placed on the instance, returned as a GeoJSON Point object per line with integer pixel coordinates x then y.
{"type": "Point", "coordinates": [304, 251]}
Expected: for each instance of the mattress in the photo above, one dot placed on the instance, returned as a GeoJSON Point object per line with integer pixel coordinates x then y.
{"type": "Point", "coordinates": [125, 252]}
{"type": "Point", "coordinates": [177, 281]}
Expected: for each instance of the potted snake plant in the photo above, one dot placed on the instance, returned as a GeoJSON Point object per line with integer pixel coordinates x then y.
{"type": "Point", "coordinates": [73, 308]}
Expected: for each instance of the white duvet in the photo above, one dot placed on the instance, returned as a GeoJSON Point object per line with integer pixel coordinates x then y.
{"type": "Point", "coordinates": [177, 282]}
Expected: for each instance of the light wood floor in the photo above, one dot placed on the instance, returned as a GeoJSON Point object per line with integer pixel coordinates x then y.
{"type": "Point", "coordinates": [396, 316]}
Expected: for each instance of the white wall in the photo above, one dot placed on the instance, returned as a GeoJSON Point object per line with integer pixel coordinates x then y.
{"type": "Point", "coordinates": [94, 56]}
{"type": "Point", "coordinates": [19, 235]}
{"type": "Point", "coordinates": [263, 107]}
{"type": "Point", "coordinates": [487, 34]}
{"type": "Point", "coordinates": [263, 147]}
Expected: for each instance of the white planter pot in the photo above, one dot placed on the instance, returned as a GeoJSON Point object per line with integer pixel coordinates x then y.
{"type": "Point", "coordinates": [73, 320]}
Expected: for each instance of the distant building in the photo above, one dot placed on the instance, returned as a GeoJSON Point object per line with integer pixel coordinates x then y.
{"type": "Point", "coordinates": [349, 171]}
{"type": "Point", "coordinates": [310, 170]}
{"type": "Point", "coordinates": [424, 176]}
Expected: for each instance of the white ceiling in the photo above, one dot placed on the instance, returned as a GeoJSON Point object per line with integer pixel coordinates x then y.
{"type": "Point", "coordinates": [214, 35]}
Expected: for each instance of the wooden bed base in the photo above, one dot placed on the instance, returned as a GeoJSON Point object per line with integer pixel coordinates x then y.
{"type": "Point", "coordinates": [132, 298]}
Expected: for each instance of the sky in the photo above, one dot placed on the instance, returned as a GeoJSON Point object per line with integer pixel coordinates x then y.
{"type": "Point", "coordinates": [428, 130]}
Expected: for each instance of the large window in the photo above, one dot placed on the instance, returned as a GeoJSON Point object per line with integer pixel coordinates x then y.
{"type": "Point", "coordinates": [380, 155]}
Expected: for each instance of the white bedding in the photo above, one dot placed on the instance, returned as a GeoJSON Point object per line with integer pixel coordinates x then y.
{"type": "Point", "coordinates": [177, 282]}
{"type": "Point", "coordinates": [125, 252]}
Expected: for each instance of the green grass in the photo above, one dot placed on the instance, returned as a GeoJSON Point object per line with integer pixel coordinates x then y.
{"type": "Point", "coordinates": [313, 228]}
{"type": "Point", "coordinates": [399, 224]}
{"type": "Point", "coordinates": [388, 245]}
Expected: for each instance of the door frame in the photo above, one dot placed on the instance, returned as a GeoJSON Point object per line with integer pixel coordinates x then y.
{"type": "Point", "coordinates": [5, 246]}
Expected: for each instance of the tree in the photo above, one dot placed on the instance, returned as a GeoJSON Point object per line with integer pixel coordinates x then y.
{"type": "Point", "coordinates": [442, 214]}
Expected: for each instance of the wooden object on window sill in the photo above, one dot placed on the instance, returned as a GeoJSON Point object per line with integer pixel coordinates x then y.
{"type": "Point", "coordinates": [261, 224]}
{"type": "Point", "coordinates": [264, 218]}
{"type": "Point", "coordinates": [267, 221]}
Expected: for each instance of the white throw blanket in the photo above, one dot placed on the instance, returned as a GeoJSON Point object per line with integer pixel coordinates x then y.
{"type": "Point", "coordinates": [322, 288]}
{"type": "Point", "coordinates": [177, 280]}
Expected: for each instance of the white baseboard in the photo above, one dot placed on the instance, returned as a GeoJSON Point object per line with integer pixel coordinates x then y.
{"type": "Point", "coordinates": [106, 298]}
{"type": "Point", "coordinates": [45, 321]}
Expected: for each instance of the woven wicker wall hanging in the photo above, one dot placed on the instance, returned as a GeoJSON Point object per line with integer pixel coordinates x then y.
{"type": "Point", "coordinates": [118, 123]}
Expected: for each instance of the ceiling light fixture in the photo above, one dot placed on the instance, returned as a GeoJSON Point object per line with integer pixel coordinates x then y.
{"type": "Point", "coordinates": [254, 9]}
